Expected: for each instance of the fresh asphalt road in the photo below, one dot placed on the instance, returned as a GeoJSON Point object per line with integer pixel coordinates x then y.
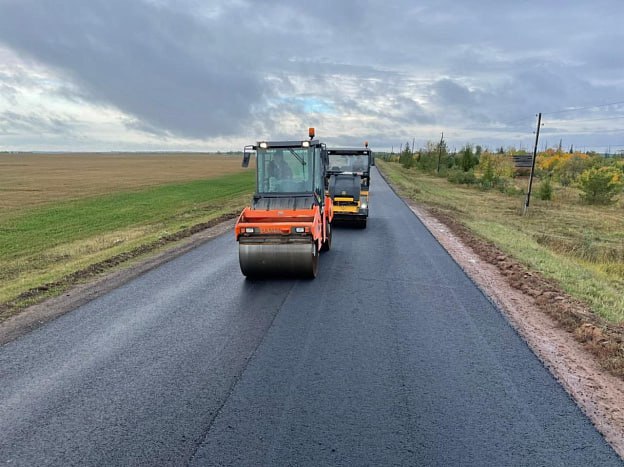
{"type": "Point", "coordinates": [390, 357]}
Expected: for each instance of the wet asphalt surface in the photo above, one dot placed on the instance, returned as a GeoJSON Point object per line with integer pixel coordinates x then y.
{"type": "Point", "coordinates": [390, 357]}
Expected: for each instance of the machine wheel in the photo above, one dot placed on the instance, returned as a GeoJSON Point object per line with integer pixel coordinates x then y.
{"type": "Point", "coordinates": [327, 243]}
{"type": "Point", "coordinates": [363, 224]}
{"type": "Point", "coordinates": [314, 265]}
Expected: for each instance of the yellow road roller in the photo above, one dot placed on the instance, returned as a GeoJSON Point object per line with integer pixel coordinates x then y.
{"type": "Point", "coordinates": [348, 182]}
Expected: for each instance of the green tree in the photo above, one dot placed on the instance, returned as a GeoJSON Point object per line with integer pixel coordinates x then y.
{"type": "Point", "coordinates": [428, 157]}
{"type": "Point", "coordinates": [488, 174]}
{"type": "Point", "coordinates": [406, 158]}
{"type": "Point", "coordinates": [600, 184]}
{"type": "Point", "coordinates": [545, 190]}
{"type": "Point", "coordinates": [467, 160]}
{"type": "Point", "coordinates": [441, 155]}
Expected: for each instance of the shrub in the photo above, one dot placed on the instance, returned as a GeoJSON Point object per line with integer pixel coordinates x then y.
{"type": "Point", "coordinates": [427, 161]}
{"type": "Point", "coordinates": [545, 190]}
{"type": "Point", "coordinates": [428, 157]}
{"type": "Point", "coordinates": [502, 184]}
{"type": "Point", "coordinates": [493, 166]}
{"type": "Point", "coordinates": [513, 190]}
{"type": "Point", "coordinates": [569, 168]}
{"type": "Point", "coordinates": [600, 184]}
{"type": "Point", "coordinates": [461, 177]}
{"type": "Point", "coordinates": [406, 160]}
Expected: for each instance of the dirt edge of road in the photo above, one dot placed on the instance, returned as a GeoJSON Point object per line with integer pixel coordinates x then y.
{"type": "Point", "coordinates": [98, 281]}
{"type": "Point", "coordinates": [558, 329]}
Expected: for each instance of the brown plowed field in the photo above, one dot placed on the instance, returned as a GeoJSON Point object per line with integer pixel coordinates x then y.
{"type": "Point", "coordinates": [28, 179]}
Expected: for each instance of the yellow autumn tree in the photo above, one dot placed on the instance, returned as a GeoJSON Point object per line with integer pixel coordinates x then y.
{"type": "Point", "coordinates": [564, 167]}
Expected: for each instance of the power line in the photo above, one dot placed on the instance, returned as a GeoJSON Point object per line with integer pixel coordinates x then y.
{"type": "Point", "coordinates": [524, 119]}
{"type": "Point", "coordinates": [590, 120]}
{"type": "Point", "coordinates": [585, 132]}
{"type": "Point", "coordinates": [582, 108]}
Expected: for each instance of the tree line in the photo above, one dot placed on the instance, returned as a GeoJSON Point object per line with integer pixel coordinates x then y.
{"type": "Point", "coordinates": [599, 179]}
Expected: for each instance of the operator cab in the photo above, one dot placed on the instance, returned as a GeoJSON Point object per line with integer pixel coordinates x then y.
{"type": "Point", "coordinates": [288, 170]}
{"type": "Point", "coordinates": [356, 161]}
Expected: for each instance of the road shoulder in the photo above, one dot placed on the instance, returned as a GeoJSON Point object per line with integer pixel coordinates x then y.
{"type": "Point", "coordinates": [599, 394]}
{"type": "Point", "coordinates": [36, 315]}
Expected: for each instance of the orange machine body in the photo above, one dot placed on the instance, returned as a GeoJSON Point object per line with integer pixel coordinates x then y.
{"type": "Point", "coordinates": [284, 224]}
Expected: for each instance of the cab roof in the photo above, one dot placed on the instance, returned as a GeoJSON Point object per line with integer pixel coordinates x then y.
{"type": "Point", "coordinates": [349, 151]}
{"type": "Point", "coordinates": [287, 144]}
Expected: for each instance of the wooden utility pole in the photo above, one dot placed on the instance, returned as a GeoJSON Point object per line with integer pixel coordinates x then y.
{"type": "Point", "coordinates": [440, 152]}
{"type": "Point", "coordinates": [528, 197]}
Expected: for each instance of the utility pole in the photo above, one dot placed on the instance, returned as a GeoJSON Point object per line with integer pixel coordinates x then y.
{"type": "Point", "coordinates": [440, 152]}
{"type": "Point", "coordinates": [528, 197]}
{"type": "Point", "coordinates": [413, 149]}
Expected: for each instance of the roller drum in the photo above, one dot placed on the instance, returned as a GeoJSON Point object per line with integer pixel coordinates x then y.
{"type": "Point", "coordinates": [278, 259]}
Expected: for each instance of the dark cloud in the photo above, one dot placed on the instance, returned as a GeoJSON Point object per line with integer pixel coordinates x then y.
{"type": "Point", "coordinates": [12, 123]}
{"type": "Point", "coordinates": [229, 68]}
{"type": "Point", "coordinates": [158, 64]}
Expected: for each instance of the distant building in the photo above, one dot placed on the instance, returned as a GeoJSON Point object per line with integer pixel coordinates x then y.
{"type": "Point", "coordinates": [522, 163]}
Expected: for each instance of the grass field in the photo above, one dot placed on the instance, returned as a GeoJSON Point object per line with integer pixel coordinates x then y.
{"type": "Point", "coordinates": [62, 213]}
{"type": "Point", "coordinates": [579, 246]}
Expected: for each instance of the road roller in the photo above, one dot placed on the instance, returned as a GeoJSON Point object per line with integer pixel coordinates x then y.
{"type": "Point", "coordinates": [348, 181]}
{"type": "Point", "coordinates": [289, 220]}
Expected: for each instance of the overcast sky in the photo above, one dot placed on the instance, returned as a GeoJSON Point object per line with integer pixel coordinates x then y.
{"type": "Point", "coordinates": [218, 74]}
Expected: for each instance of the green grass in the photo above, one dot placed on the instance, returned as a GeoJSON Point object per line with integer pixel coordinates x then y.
{"type": "Point", "coordinates": [43, 244]}
{"type": "Point", "coordinates": [579, 246]}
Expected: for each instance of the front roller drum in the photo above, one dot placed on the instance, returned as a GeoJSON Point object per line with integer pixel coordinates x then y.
{"type": "Point", "coordinates": [259, 260]}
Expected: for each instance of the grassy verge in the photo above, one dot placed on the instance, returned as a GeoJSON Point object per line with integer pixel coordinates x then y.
{"type": "Point", "coordinates": [580, 247]}
{"type": "Point", "coordinates": [46, 244]}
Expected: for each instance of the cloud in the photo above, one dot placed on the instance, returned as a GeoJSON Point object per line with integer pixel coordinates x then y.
{"type": "Point", "coordinates": [191, 72]}
{"type": "Point", "coordinates": [160, 65]}
{"type": "Point", "coordinates": [14, 123]}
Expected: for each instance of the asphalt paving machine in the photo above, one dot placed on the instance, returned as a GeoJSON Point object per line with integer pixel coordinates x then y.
{"type": "Point", "coordinates": [348, 181]}
{"type": "Point", "coordinates": [289, 220]}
